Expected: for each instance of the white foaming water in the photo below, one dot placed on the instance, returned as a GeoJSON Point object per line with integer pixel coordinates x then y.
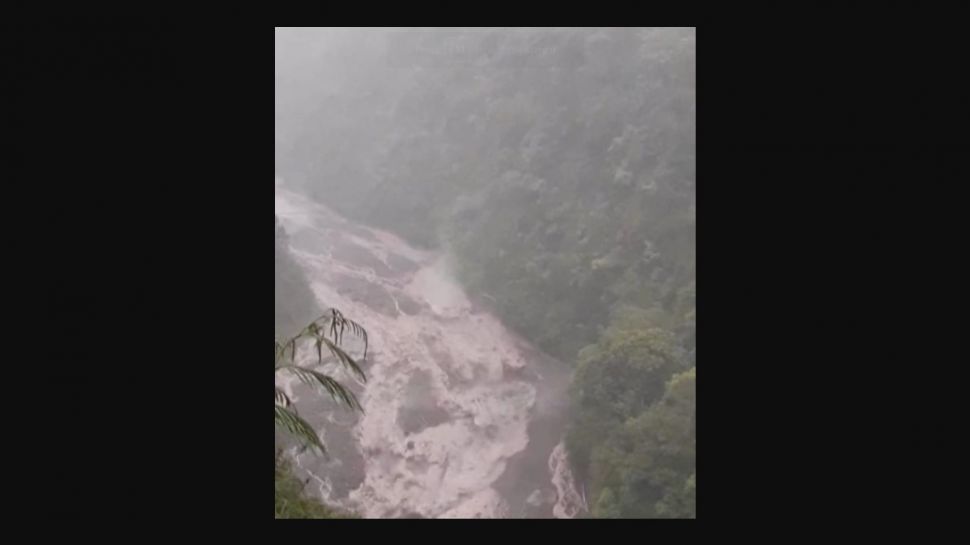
{"type": "Point", "coordinates": [443, 417]}
{"type": "Point", "coordinates": [569, 502]}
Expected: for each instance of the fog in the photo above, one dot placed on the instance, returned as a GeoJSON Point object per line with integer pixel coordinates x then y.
{"type": "Point", "coordinates": [510, 215]}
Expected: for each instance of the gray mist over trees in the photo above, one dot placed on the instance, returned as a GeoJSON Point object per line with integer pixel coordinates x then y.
{"type": "Point", "coordinates": [510, 213]}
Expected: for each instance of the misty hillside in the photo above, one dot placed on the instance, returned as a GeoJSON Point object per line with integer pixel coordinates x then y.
{"type": "Point", "coordinates": [511, 214]}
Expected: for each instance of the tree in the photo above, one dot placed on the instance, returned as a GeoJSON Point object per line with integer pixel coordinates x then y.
{"type": "Point", "coordinates": [326, 331]}
{"type": "Point", "coordinates": [617, 379]}
{"type": "Point", "coordinates": [650, 461]}
{"type": "Point", "coordinates": [606, 507]}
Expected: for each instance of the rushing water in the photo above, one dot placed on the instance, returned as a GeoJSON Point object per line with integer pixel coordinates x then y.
{"type": "Point", "coordinates": [462, 418]}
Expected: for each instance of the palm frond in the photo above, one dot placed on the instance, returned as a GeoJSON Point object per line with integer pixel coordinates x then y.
{"type": "Point", "coordinates": [318, 330]}
{"type": "Point", "coordinates": [282, 399]}
{"type": "Point", "coordinates": [340, 323]}
{"type": "Point", "coordinates": [282, 347]}
{"type": "Point", "coordinates": [299, 427]}
{"type": "Point", "coordinates": [335, 324]}
{"type": "Point", "coordinates": [341, 356]}
{"type": "Point", "coordinates": [334, 388]}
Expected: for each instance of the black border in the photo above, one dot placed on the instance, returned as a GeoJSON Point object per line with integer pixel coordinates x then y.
{"type": "Point", "coordinates": [139, 191]}
{"type": "Point", "coordinates": [138, 211]}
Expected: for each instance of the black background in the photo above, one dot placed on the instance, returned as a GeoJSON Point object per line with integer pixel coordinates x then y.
{"type": "Point", "coordinates": [138, 259]}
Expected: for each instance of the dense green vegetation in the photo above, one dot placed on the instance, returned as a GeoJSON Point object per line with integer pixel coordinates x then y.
{"type": "Point", "coordinates": [632, 435]}
{"type": "Point", "coordinates": [557, 166]}
{"type": "Point", "coordinates": [291, 500]}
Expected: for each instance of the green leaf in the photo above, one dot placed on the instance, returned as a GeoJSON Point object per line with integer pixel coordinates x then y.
{"type": "Point", "coordinates": [344, 358]}
{"type": "Point", "coordinates": [317, 330]}
{"type": "Point", "coordinates": [299, 427]}
{"type": "Point", "coordinates": [334, 388]}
